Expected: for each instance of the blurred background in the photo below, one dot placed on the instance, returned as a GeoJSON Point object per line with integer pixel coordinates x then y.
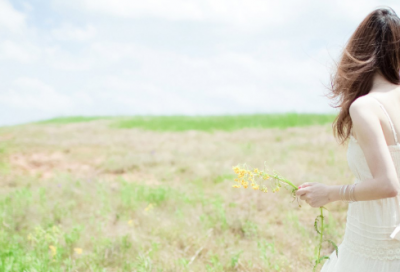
{"type": "Point", "coordinates": [87, 57]}
{"type": "Point", "coordinates": [121, 120]}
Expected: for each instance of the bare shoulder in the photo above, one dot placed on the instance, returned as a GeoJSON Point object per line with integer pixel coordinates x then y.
{"type": "Point", "coordinates": [364, 116]}
{"type": "Point", "coordinates": [363, 107]}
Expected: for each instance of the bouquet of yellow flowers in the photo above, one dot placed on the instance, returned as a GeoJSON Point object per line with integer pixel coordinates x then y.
{"type": "Point", "coordinates": [258, 180]}
{"type": "Point", "coordinates": [246, 176]}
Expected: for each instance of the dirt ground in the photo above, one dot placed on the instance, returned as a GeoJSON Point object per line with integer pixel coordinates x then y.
{"type": "Point", "coordinates": [170, 193]}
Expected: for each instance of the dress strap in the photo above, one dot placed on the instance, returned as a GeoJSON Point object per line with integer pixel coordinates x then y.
{"type": "Point", "coordinates": [390, 120]}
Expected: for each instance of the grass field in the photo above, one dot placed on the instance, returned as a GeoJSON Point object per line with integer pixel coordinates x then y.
{"type": "Point", "coordinates": [205, 123]}
{"type": "Point", "coordinates": [154, 193]}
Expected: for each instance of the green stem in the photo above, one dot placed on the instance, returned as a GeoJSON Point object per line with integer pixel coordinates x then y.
{"type": "Point", "coordinates": [285, 181]}
{"type": "Point", "coordinates": [321, 232]}
{"type": "Point", "coordinates": [321, 235]}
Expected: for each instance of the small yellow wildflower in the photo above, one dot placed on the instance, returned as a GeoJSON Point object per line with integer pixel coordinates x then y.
{"type": "Point", "coordinates": [149, 207]}
{"type": "Point", "coordinates": [276, 189]}
{"type": "Point", "coordinates": [255, 186]}
{"type": "Point", "coordinates": [236, 170]}
{"type": "Point", "coordinates": [53, 250]}
{"type": "Point", "coordinates": [266, 176]}
{"type": "Point", "coordinates": [78, 250]}
{"type": "Point", "coordinates": [256, 171]}
{"type": "Point", "coordinates": [236, 186]}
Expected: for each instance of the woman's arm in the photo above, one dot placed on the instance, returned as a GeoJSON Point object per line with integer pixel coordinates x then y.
{"type": "Point", "coordinates": [364, 113]}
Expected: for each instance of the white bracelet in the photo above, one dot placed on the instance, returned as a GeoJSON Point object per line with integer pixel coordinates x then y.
{"type": "Point", "coordinates": [350, 196]}
{"type": "Point", "coordinates": [352, 192]}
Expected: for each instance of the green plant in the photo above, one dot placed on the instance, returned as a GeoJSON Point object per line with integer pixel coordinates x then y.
{"type": "Point", "coordinates": [246, 176]}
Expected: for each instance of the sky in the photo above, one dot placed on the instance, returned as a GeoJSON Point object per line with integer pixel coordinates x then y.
{"type": "Point", "coordinates": [158, 57]}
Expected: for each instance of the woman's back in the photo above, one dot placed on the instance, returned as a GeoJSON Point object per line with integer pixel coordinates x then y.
{"type": "Point", "coordinates": [386, 105]}
{"type": "Point", "coordinates": [367, 245]}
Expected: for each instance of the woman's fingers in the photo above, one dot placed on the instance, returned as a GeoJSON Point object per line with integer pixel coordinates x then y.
{"type": "Point", "coordinates": [301, 191]}
{"type": "Point", "coordinates": [303, 194]}
{"type": "Point", "coordinates": [304, 197]}
{"type": "Point", "coordinates": [306, 184]}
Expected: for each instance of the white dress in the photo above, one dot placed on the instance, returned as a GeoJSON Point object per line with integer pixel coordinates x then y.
{"type": "Point", "coordinates": [367, 245]}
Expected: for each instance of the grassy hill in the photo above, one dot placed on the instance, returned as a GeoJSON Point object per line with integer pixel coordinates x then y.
{"type": "Point", "coordinates": [155, 193]}
{"type": "Point", "coordinates": [205, 123]}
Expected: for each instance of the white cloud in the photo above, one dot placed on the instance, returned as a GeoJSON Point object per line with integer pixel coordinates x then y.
{"type": "Point", "coordinates": [21, 52]}
{"type": "Point", "coordinates": [175, 9]}
{"type": "Point", "coordinates": [224, 83]}
{"type": "Point", "coordinates": [115, 51]}
{"type": "Point", "coordinates": [111, 57]}
{"type": "Point", "coordinates": [238, 12]}
{"type": "Point", "coordinates": [241, 13]}
{"type": "Point", "coordinates": [68, 32]}
{"type": "Point", "coordinates": [10, 19]}
{"type": "Point", "coordinates": [33, 94]}
{"type": "Point", "coordinates": [59, 58]}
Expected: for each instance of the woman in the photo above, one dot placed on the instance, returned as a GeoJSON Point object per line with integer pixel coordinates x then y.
{"type": "Point", "coordinates": [366, 87]}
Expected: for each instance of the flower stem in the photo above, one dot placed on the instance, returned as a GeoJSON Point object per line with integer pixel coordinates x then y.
{"type": "Point", "coordinates": [322, 232]}
{"type": "Point", "coordinates": [321, 235]}
{"type": "Point", "coordinates": [285, 181]}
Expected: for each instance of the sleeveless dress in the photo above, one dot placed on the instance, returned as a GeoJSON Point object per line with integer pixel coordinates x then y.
{"type": "Point", "coordinates": [367, 245]}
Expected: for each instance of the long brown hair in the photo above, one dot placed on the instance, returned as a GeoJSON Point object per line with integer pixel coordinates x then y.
{"type": "Point", "coordinates": [373, 47]}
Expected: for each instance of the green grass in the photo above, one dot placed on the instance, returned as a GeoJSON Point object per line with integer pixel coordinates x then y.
{"type": "Point", "coordinates": [72, 119]}
{"type": "Point", "coordinates": [225, 123]}
{"type": "Point", "coordinates": [144, 201]}
{"type": "Point", "coordinates": [204, 123]}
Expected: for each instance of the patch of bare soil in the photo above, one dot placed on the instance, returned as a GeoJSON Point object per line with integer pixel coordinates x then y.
{"type": "Point", "coordinates": [46, 165]}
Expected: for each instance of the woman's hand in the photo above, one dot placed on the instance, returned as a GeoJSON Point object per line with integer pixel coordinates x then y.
{"type": "Point", "coordinates": [315, 194]}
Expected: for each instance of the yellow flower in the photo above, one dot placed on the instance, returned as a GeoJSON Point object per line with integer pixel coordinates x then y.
{"type": "Point", "coordinates": [130, 222]}
{"type": "Point", "coordinates": [236, 186]}
{"type": "Point", "coordinates": [255, 186]}
{"type": "Point", "coordinates": [245, 184]}
{"type": "Point", "coordinates": [53, 250]}
{"type": "Point", "coordinates": [266, 177]}
{"type": "Point", "coordinates": [236, 169]}
{"type": "Point", "coordinates": [276, 189]}
{"type": "Point", "coordinates": [149, 207]}
{"type": "Point", "coordinates": [78, 250]}
{"type": "Point", "coordinates": [256, 171]}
